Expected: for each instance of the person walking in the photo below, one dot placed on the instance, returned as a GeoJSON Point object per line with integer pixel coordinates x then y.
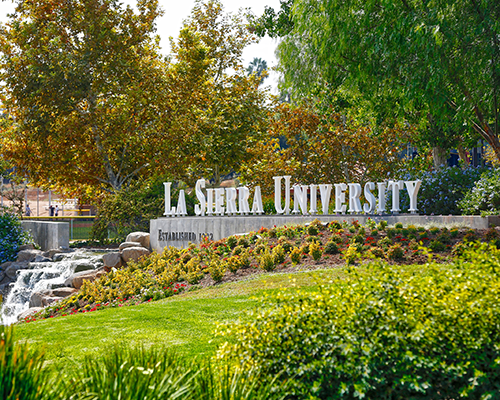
{"type": "Point", "coordinates": [28, 210]}
{"type": "Point", "coordinates": [51, 210]}
{"type": "Point", "coordinates": [57, 210]}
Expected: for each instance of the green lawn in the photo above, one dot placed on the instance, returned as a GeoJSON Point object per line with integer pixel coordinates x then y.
{"type": "Point", "coordinates": [185, 322]}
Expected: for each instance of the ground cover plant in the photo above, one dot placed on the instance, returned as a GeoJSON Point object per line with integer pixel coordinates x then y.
{"type": "Point", "coordinates": [280, 249]}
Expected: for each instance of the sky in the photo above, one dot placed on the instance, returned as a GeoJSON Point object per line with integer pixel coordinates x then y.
{"type": "Point", "coordinates": [176, 11]}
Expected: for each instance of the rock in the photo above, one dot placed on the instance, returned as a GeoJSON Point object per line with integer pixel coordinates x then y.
{"type": "Point", "coordinates": [38, 299]}
{"type": "Point", "coordinates": [28, 255]}
{"type": "Point", "coordinates": [69, 281]}
{"type": "Point", "coordinates": [28, 312]}
{"type": "Point", "coordinates": [5, 265]}
{"type": "Point", "coordinates": [139, 237]}
{"type": "Point", "coordinates": [4, 288]}
{"type": "Point", "coordinates": [41, 259]}
{"type": "Point", "coordinates": [126, 245]}
{"type": "Point", "coordinates": [112, 260]}
{"type": "Point", "coordinates": [57, 285]}
{"type": "Point", "coordinates": [91, 276]}
{"type": "Point", "coordinates": [51, 253]}
{"type": "Point", "coordinates": [64, 292]}
{"type": "Point", "coordinates": [83, 266]}
{"type": "Point", "coordinates": [26, 247]}
{"type": "Point", "coordinates": [134, 253]}
{"type": "Point", "coordinates": [2, 275]}
{"type": "Point", "coordinates": [58, 257]}
{"type": "Point", "coordinates": [11, 271]}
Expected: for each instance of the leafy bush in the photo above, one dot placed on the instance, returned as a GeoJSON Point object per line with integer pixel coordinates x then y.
{"type": "Point", "coordinates": [132, 208]}
{"type": "Point", "coordinates": [331, 247]}
{"type": "Point", "coordinates": [11, 237]}
{"type": "Point", "coordinates": [315, 251]}
{"type": "Point", "coordinates": [484, 197]}
{"type": "Point", "coordinates": [395, 252]}
{"type": "Point", "coordinates": [366, 336]}
{"type": "Point", "coordinates": [441, 190]}
{"type": "Point", "coordinates": [266, 261]}
{"type": "Point", "coordinates": [296, 255]}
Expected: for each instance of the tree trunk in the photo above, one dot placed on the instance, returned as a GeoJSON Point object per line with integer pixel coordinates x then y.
{"type": "Point", "coordinates": [439, 156]}
{"type": "Point", "coordinates": [463, 156]}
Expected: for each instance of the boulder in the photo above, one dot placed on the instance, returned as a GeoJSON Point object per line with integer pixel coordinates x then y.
{"type": "Point", "coordinates": [64, 292]}
{"type": "Point", "coordinates": [139, 237]}
{"type": "Point", "coordinates": [38, 299]}
{"type": "Point", "coordinates": [51, 253]}
{"type": "Point", "coordinates": [126, 245]}
{"type": "Point", "coordinates": [2, 275]}
{"type": "Point", "coordinates": [28, 255]}
{"type": "Point", "coordinates": [28, 312]}
{"type": "Point", "coordinates": [76, 280]}
{"type": "Point", "coordinates": [83, 266]}
{"type": "Point", "coordinates": [111, 260]}
{"type": "Point", "coordinates": [5, 265]}
{"type": "Point", "coordinates": [134, 253]}
{"type": "Point", "coordinates": [41, 259]}
{"type": "Point", "coordinates": [58, 257]}
{"type": "Point", "coordinates": [11, 271]}
{"type": "Point", "coordinates": [4, 288]}
{"type": "Point", "coordinates": [26, 247]}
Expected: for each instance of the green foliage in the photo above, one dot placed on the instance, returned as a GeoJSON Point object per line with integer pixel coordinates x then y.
{"type": "Point", "coordinates": [132, 208]}
{"type": "Point", "coordinates": [278, 254]}
{"type": "Point", "coordinates": [395, 252]}
{"type": "Point", "coordinates": [368, 336]}
{"type": "Point", "coordinates": [484, 197]}
{"type": "Point", "coordinates": [217, 269]}
{"type": "Point", "coordinates": [442, 190]}
{"type": "Point", "coordinates": [437, 245]}
{"type": "Point", "coordinates": [266, 261]}
{"type": "Point", "coordinates": [21, 373]}
{"type": "Point", "coordinates": [312, 230]}
{"type": "Point", "coordinates": [331, 247]}
{"type": "Point", "coordinates": [296, 255]}
{"type": "Point", "coordinates": [11, 236]}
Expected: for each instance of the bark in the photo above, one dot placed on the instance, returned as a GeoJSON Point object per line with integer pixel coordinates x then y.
{"type": "Point", "coordinates": [463, 156]}
{"type": "Point", "coordinates": [439, 156]}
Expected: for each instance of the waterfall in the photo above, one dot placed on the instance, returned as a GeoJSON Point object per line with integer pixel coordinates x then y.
{"type": "Point", "coordinates": [40, 276]}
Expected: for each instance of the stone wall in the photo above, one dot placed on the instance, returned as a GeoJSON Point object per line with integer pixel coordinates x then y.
{"type": "Point", "coordinates": [178, 232]}
{"type": "Point", "coordinates": [48, 235]}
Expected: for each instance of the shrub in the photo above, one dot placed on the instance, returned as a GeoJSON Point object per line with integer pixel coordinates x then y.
{"type": "Point", "coordinates": [436, 347]}
{"type": "Point", "coordinates": [217, 269]}
{"type": "Point", "coordinates": [11, 237]}
{"type": "Point", "coordinates": [336, 239]}
{"type": "Point", "coordinates": [312, 230]}
{"type": "Point", "coordinates": [437, 245]}
{"type": "Point", "coordinates": [382, 225]}
{"type": "Point", "coordinates": [331, 248]}
{"type": "Point", "coordinates": [233, 264]}
{"type": "Point", "coordinates": [434, 230]}
{"type": "Point", "coordinates": [351, 254]}
{"type": "Point", "coordinates": [266, 261]}
{"type": "Point", "coordinates": [334, 225]}
{"type": "Point", "coordinates": [395, 252]}
{"type": "Point", "coordinates": [315, 251]}
{"type": "Point", "coordinates": [296, 255]}
{"type": "Point", "coordinates": [374, 232]}
{"type": "Point", "coordinates": [442, 189]}
{"type": "Point", "coordinates": [398, 225]}
{"type": "Point", "coordinates": [484, 197]}
{"type": "Point", "coordinates": [376, 252]}
{"type": "Point", "coordinates": [232, 241]}
{"type": "Point", "coordinates": [384, 243]}
{"type": "Point", "coordinates": [243, 242]}
{"type": "Point", "coordinates": [278, 254]}
{"type": "Point", "coordinates": [491, 234]}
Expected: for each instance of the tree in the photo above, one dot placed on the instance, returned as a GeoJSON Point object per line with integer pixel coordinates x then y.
{"type": "Point", "coordinates": [228, 111]}
{"type": "Point", "coordinates": [439, 61]}
{"type": "Point", "coordinates": [85, 89]}
{"type": "Point", "coordinates": [258, 66]}
{"type": "Point", "coordinates": [323, 146]}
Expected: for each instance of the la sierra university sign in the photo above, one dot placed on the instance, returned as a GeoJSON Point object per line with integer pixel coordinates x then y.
{"type": "Point", "coordinates": [235, 201]}
{"type": "Point", "coordinates": [230, 213]}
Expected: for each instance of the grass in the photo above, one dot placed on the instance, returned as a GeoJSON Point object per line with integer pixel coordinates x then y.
{"type": "Point", "coordinates": [185, 322]}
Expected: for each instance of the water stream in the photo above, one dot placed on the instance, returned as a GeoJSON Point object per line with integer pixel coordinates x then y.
{"type": "Point", "coordinates": [43, 275]}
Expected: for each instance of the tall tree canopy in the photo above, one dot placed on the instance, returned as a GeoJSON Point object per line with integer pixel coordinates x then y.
{"type": "Point", "coordinates": [93, 104]}
{"type": "Point", "coordinates": [85, 87]}
{"type": "Point", "coordinates": [436, 59]}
